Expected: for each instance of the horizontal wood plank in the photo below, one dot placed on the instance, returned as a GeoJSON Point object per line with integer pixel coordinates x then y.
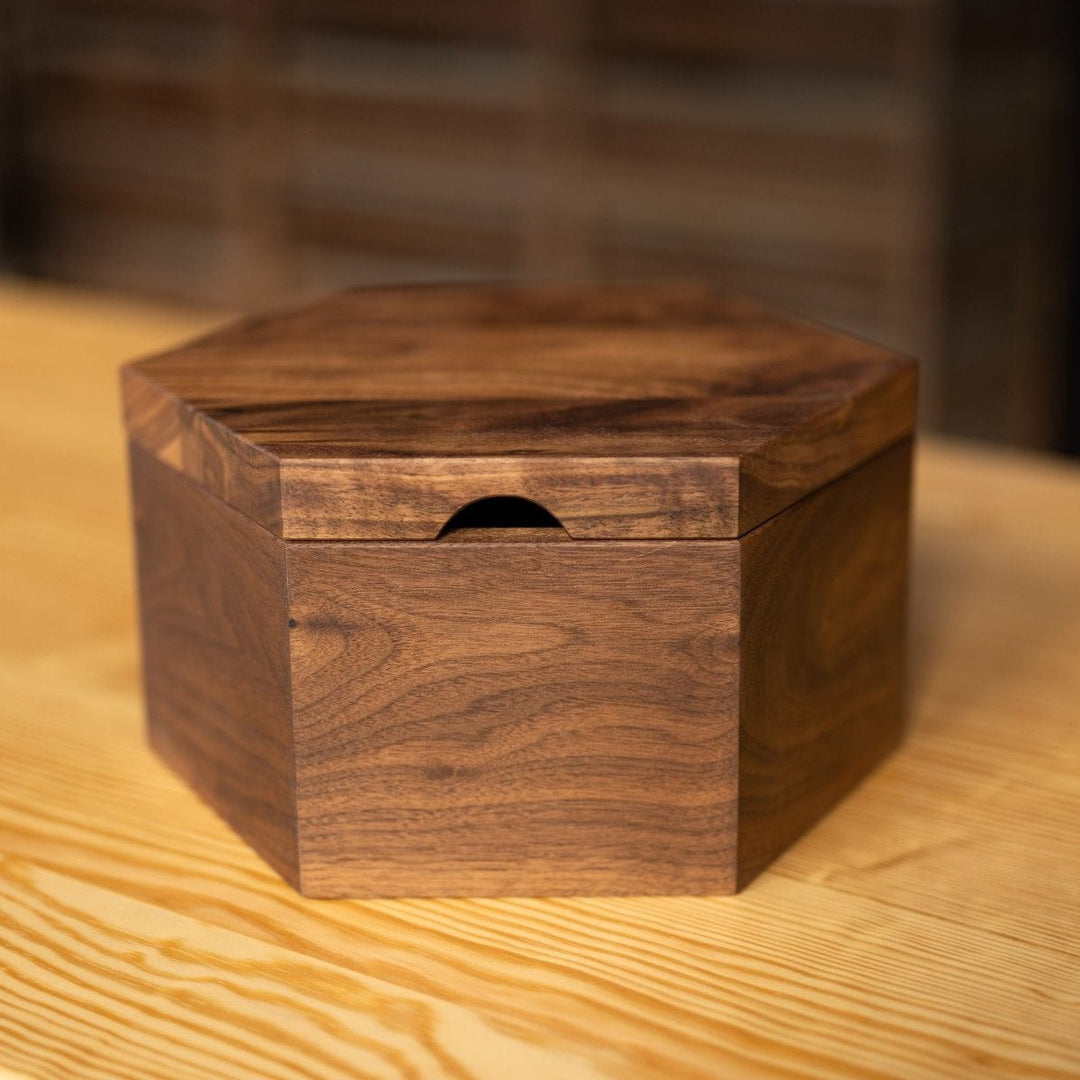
{"type": "Point", "coordinates": [531, 718]}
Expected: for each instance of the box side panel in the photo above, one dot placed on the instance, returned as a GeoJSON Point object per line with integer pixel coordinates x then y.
{"type": "Point", "coordinates": [215, 655]}
{"type": "Point", "coordinates": [824, 598]}
{"type": "Point", "coordinates": [530, 718]}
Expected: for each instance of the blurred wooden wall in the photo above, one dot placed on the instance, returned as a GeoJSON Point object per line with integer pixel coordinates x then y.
{"type": "Point", "coordinates": [883, 165]}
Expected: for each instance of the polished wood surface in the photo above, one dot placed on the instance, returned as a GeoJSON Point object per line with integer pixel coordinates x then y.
{"type": "Point", "coordinates": [926, 928]}
{"type": "Point", "coordinates": [631, 411]}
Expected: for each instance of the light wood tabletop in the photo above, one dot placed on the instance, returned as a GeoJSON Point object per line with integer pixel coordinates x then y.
{"type": "Point", "coordinates": [929, 927]}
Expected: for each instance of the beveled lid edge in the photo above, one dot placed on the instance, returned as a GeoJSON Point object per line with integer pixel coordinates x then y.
{"type": "Point", "coordinates": [647, 496]}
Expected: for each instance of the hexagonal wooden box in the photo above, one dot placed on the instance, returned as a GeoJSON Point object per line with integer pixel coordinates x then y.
{"type": "Point", "coordinates": [522, 591]}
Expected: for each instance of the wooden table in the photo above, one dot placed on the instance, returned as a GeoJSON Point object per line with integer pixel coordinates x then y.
{"type": "Point", "coordinates": [929, 927]}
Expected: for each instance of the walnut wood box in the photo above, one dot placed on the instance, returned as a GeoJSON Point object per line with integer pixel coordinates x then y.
{"type": "Point", "coordinates": [505, 590]}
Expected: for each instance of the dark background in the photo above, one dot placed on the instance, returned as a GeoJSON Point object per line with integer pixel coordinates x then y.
{"type": "Point", "coordinates": [904, 169]}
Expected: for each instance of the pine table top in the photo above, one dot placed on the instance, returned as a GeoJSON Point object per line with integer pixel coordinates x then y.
{"type": "Point", "coordinates": [929, 927]}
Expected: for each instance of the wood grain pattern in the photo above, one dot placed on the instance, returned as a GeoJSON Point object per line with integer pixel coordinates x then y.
{"type": "Point", "coordinates": [796, 460]}
{"type": "Point", "coordinates": [927, 927]}
{"type": "Point", "coordinates": [634, 498]}
{"type": "Point", "coordinates": [523, 718]}
{"type": "Point", "coordinates": [214, 617]}
{"type": "Point", "coordinates": [186, 439]}
{"type": "Point", "coordinates": [822, 672]}
{"type": "Point", "coordinates": [650, 411]}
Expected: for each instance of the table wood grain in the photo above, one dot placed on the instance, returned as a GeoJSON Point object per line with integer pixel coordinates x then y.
{"type": "Point", "coordinates": [929, 927]}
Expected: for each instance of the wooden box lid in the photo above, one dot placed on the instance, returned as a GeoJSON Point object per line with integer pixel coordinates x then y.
{"type": "Point", "coordinates": [627, 411]}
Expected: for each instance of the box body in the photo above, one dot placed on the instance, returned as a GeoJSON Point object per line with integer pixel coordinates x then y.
{"type": "Point", "coordinates": [536, 716]}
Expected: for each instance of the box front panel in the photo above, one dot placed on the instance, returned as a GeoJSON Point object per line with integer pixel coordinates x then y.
{"type": "Point", "coordinates": [530, 718]}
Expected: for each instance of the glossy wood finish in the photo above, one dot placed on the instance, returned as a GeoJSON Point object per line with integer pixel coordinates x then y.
{"type": "Point", "coordinates": [927, 927]}
{"type": "Point", "coordinates": [824, 591]}
{"type": "Point", "coordinates": [515, 718]}
{"type": "Point", "coordinates": [630, 411]}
